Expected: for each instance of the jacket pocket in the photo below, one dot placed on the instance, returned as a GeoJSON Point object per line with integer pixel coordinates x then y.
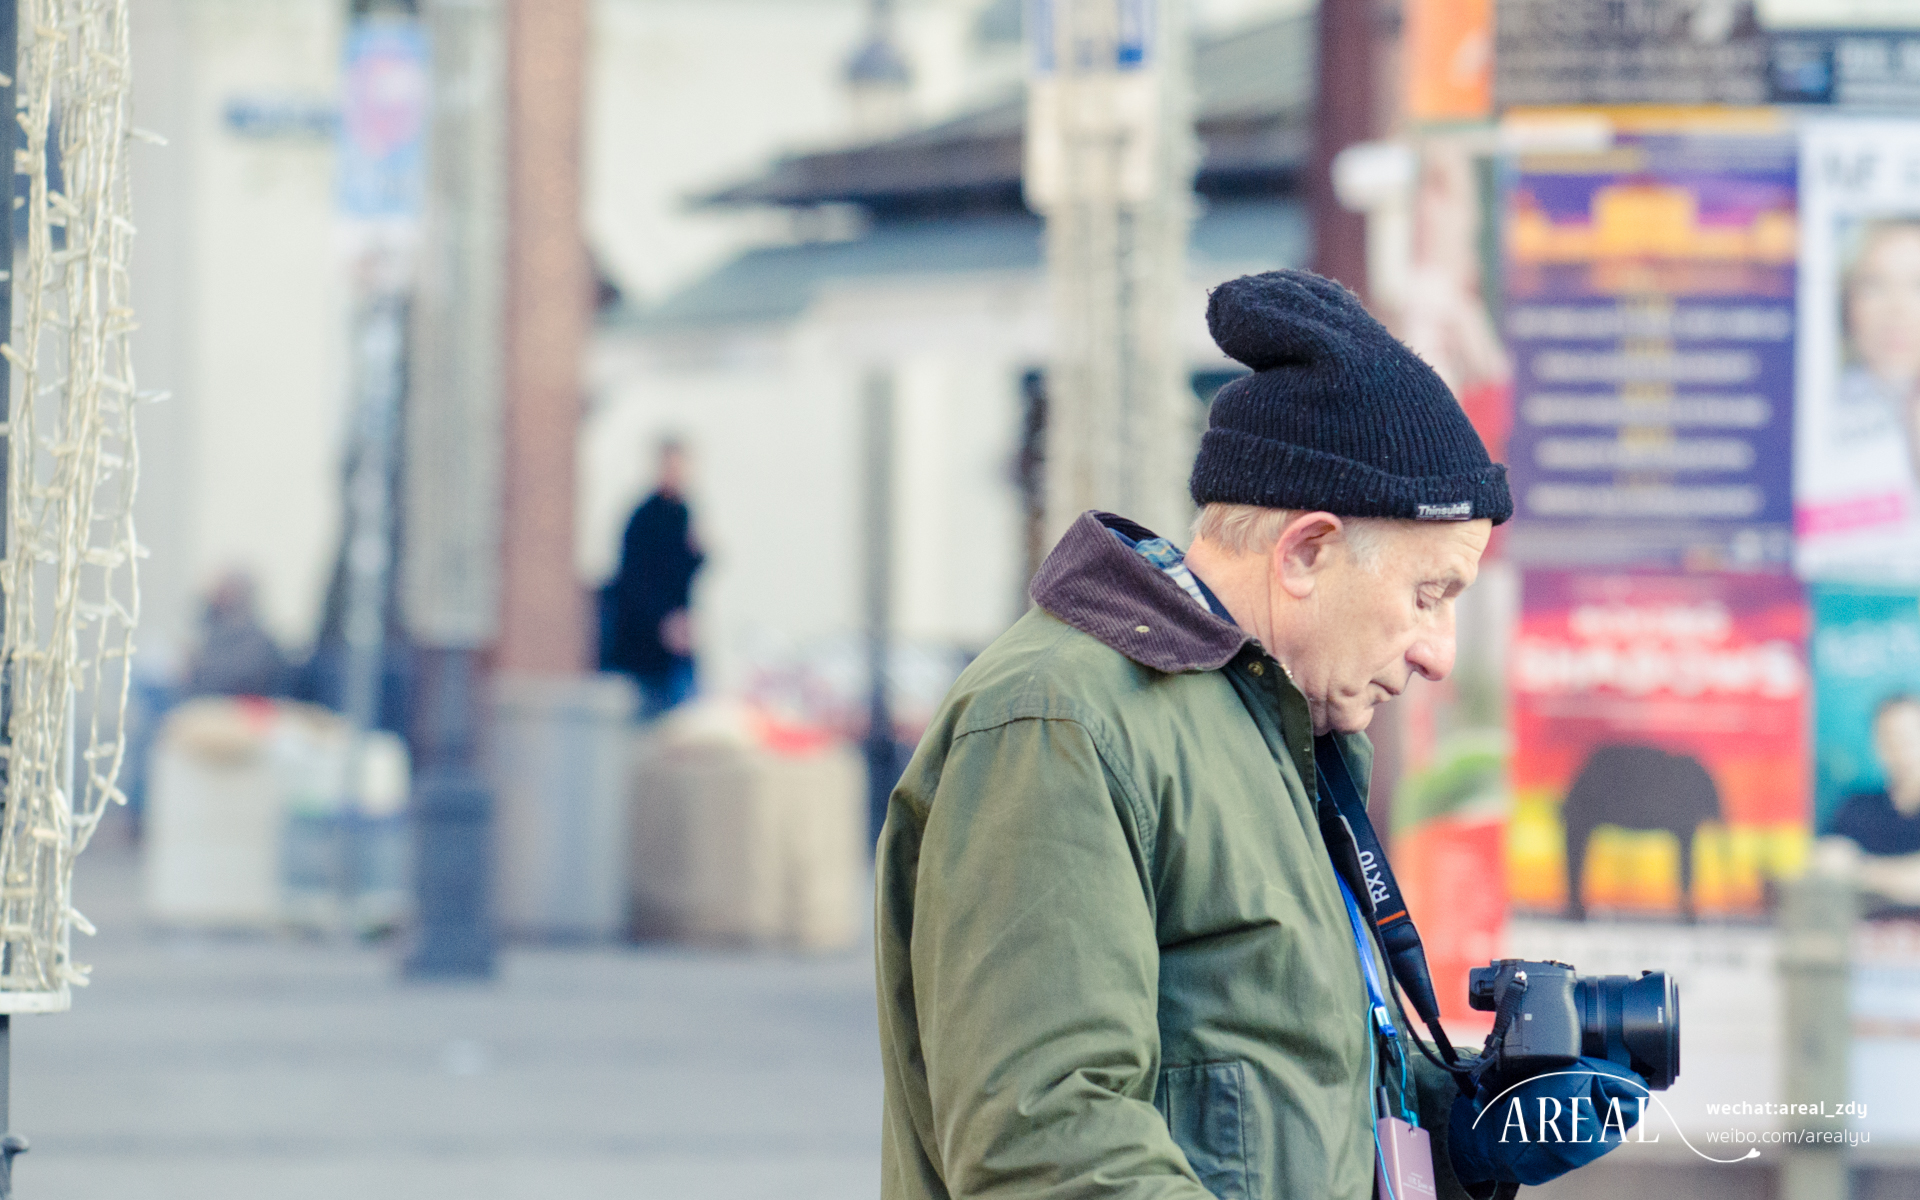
{"type": "Point", "coordinates": [1202, 1107]}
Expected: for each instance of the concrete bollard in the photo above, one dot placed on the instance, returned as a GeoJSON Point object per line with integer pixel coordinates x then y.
{"type": "Point", "coordinates": [1817, 914]}
{"type": "Point", "coordinates": [559, 760]}
{"type": "Point", "coordinates": [738, 843]}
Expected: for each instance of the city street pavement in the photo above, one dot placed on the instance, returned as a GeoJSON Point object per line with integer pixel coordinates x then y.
{"type": "Point", "coordinates": [271, 1068]}
{"type": "Point", "coordinates": [218, 1067]}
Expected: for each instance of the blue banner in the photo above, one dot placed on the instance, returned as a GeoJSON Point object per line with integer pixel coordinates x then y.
{"type": "Point", "coordinates": [383, 120]}
{"type": "Point", "coordinates": [1866, 651]}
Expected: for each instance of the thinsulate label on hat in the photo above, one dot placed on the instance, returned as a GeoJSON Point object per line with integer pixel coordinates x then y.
{"type": "Point", "coordinates": [1459, 510]}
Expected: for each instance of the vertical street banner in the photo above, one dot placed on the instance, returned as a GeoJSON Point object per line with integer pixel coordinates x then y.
{"type": "Point", "coordinates": [1449, 49]}
{"type": "Point", "coordinates": [1857, 463]}
{"type": "Point", "coordinates": [1866, 663]}
{"type": "Point", "coordinates": [1649, 309]}
{"type": "Point", "coordinates": [383, 120]}
{"type": "Point", "coordinates": [1660, 759]}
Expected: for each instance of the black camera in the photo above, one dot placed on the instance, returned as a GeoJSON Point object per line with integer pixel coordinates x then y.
{"type": "Point", "coordinates": [1548, 1015]}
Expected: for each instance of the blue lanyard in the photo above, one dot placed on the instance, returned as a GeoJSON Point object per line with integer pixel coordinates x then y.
{"type": "Point", "coordinates": [1363, 944]}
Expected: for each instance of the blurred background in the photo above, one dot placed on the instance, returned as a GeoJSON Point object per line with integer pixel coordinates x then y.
{"type": "Point", "coordinates": [596, 433]}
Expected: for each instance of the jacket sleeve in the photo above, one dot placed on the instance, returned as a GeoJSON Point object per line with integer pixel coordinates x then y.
{"type": "Point", "coordinates": [1437, 1092]}
{"type": "Point", "coordinates": [1035, 974]}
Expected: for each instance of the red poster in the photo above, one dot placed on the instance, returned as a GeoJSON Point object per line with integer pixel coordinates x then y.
{"type": "Point", "coordinates": [1660, 760]}
{"type": "Point", "coordinates": [1449, 872]}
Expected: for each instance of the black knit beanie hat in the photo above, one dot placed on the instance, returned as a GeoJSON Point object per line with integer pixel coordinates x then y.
{"type": "Point", "coordinates": [1338, 415]}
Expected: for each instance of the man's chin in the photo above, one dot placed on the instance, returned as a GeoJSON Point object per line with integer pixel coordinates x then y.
{"type": "Point", "coordinates": [1347, 721]}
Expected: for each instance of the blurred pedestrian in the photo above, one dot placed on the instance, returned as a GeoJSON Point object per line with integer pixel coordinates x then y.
{"type": "Point", "coordinates": [647, 619]}
{"type": "Point", "coordinates": [236, 655]}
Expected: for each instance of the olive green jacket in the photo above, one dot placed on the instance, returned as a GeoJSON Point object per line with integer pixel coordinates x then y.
{"type": "Point", "coordinates": [1113, 956]}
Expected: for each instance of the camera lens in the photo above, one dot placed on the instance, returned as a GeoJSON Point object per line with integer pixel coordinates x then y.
{"type": "Point", "coordinates": [1634, 1022]}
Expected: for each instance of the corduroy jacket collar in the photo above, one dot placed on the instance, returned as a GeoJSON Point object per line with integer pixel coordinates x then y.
{"type": "Point", "coordinates": [1094, 583]}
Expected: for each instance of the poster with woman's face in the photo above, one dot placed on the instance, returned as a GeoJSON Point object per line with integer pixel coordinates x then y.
{"type": "Point", "coordinates": [1857, 436]}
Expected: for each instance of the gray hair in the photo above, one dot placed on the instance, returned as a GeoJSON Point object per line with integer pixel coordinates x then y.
{"type": "Point", "coordinates": [1250, 529]}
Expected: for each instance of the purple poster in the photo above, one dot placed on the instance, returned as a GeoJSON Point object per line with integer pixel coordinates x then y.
{"type": "Point", "coordinates": [1650, 311]}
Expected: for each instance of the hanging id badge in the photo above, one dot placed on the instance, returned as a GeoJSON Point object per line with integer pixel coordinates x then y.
{"type": "Point", "coordinates": [1404, 1162]}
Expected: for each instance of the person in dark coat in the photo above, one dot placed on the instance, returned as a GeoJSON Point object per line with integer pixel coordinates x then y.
{"type": "Point", "coordinates": [647, 628]}
{"type": "Point", "coordinates": [1875, 835]}
{"type": "Point", "coordinates": [1887, 822]}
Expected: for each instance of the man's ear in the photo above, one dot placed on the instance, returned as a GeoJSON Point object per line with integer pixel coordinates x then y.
{"type": "Point", "coordinates": [1301, 553]}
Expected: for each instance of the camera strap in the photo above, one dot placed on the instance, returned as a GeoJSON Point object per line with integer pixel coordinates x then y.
{"type": "Point", "coordinates": [1361, 860]}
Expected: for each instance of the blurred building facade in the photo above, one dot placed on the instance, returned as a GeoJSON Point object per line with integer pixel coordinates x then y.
{"type": "Point", "coordinates": [913, 256]}
{"type": "Point", "coordinates": [745, 321]}
{"type": "Point", "coordinates": [243, 293]}
{"type": "Point", "coordinates": [242, 305]}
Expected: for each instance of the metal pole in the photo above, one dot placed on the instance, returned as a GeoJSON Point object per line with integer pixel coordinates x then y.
{"type": "Point", "coordinates": [10, 1143]}
{"type": "Point", "coordinates": [380, 349]}
{"type": "Point", "coordinates": [882, 757]}
{"type": "Point", "coordinates": [381, 187]}
{"type": "Point", "coordinates": [452, 813]}
{"type": "Point", "coordinates": [9, 142]}
{"type": "Point", "coordinates": [451, 571]}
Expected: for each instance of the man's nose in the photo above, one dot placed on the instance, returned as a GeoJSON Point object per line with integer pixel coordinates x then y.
{"type": "Point", "coordinates": [1432, 654]}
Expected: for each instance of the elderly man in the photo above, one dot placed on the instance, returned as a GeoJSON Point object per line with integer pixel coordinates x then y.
{"type": "Point", "coordinates": [1127, 929]}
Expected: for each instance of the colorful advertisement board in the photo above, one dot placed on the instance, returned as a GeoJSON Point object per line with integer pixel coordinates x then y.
{"type": "Point", "coordinates": [1866, 653]}
{"type": "Point", "coordinates": [1556, 52]}
{"type": "Point", "coordinates": [1660, 757]}
{"type": "Point", "coordinates": [1649, 308]}
{"type": "Point", "coordinates": [1857, 464]}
